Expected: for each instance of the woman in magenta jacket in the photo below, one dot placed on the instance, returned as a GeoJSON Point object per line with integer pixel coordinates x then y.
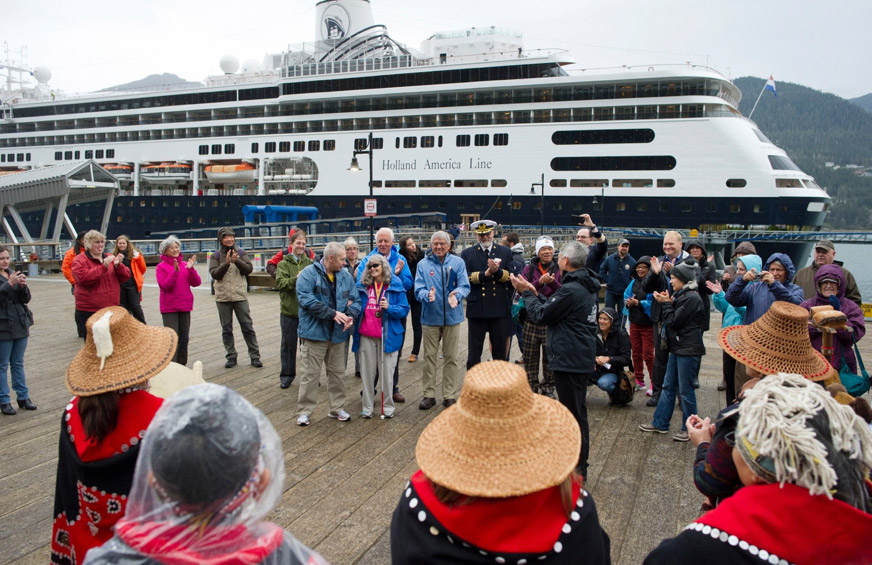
{"type": "Point", "coordinates": [175, 277]}
{"type": "Point", "coordinates": [98, 277]}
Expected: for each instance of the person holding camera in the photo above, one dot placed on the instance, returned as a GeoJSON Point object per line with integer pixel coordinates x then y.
{"type": "Point", "coordinates": [773, 285]}
{"type": "Point", "coordinates": [15, 322]}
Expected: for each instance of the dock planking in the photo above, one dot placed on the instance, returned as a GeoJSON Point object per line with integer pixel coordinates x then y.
{"type": "Point", "coordinates": [342, 479]}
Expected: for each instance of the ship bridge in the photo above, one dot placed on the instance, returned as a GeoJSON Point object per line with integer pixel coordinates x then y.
{"type": "Point", "coordinates": [53, 189]}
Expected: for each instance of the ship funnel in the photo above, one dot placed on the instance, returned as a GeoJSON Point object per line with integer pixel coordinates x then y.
{"type": "Point", "coordinates": [338, 19]}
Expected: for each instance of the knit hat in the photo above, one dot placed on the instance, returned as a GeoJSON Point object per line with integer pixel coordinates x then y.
{"type": "Point", "coordinates": [119, 352]}
{"type": "Point", "coordinates": [544, 241]}
{"type": "Point", "coordinates": [777, 342]}
{"type": "Point", "coordinates": [685, 271]}
{"type": "Point", "coordinates": [610, 312]}
{"type": "Point", "coordinates": [792, 431]}
{"type": "Point", "coordinates": [500, 439]}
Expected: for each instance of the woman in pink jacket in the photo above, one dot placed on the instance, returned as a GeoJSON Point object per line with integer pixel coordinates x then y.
{"type": "Point", "coordinates": [175, 277]}
{"type": "Point", "coordinates": [98, 277]}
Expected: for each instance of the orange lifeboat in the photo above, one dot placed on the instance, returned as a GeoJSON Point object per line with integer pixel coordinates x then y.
{"type": "Point", "coordinates": [233, 173]}
{"type": "Point", "coordinates": [166, 172]}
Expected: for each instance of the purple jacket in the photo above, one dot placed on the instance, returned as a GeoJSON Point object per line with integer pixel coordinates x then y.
{"type": "Point", "coordinates": [175, 286]}
{"type": "Point", "coordinates": [843, 344]}
{"type": "Point", "coordinates": [532, 273]}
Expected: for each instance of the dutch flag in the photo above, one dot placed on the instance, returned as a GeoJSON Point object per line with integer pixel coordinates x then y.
{"type": "Point", "coordinates": [770, 85]}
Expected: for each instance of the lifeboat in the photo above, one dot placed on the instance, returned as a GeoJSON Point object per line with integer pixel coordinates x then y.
{"type": "Point", "coordinates": [119, 170]}
{"type": "Point", "coordinates": [6, 171]}
{"type": "Point", "coordinates": [164, 173]}
{"type": "Point", "coordinates": [235, 173]}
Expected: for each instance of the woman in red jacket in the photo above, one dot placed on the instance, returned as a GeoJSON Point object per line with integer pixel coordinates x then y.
{"type": "Point", "coordinates": [98, 277]}
{"type": "Point", "coordinates": [131, 289]}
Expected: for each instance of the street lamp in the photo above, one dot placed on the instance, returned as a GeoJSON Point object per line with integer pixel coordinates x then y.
{"type": "Point", "coordinates": [603, 197]}
{"type": "Point", "coordinates": [356, 167]}
{"type": "Point", "coordinates": [540, 184]}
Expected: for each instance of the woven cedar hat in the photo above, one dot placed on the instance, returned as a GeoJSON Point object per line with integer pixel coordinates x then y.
{"type": "Point", "coordinates": [125, 353]}
{"type": "Point", "coordinates": [500, 439]}
{"type": "Point", "coordinates": [777, 342]}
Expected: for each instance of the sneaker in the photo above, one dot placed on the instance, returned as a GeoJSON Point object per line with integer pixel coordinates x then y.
{"type": "Point", "coordinates": [413, 358]}
{"type": "Point", "coordinates": [342, 415]}
{"type": "Point", "coordinates": [653, 401]}
{"type": "Point", "coordinates": [650, 428]}
{"type": "Point", "coordinates": [641, 386]}
{"type": "Point", "coordinates": [649, 392]}
{"type": "Point", "coordinates": [366, 415]}
{"type": "Point", "coordinates": [681, 436]}
{"type": "Point", "coordinates": [388, 416]}
{"type": "Point", "coordinates": [303, 420]}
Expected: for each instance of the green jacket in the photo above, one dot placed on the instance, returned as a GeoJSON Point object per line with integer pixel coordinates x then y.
{"type": "Point", "coordinates": [286, 281]}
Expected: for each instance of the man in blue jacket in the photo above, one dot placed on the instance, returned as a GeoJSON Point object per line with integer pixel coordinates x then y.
{"type": "Point", "coordinates": [441, 284]}
{"type": "Point", "coordinates": [329, 304]}
{"type": "Point", "coordinates": [616, 271]}
{"type": "Point", "coordinates": [384, 246]}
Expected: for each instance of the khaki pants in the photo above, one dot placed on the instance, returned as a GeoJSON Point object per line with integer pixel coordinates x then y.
{"type": "Point", "coordinates": [314, 354]}
{"type": "Point", "coordinates": [450, 339]}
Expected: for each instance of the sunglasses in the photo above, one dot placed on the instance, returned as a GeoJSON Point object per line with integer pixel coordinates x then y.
{"type": "Point", "coordinates": [371, 267]}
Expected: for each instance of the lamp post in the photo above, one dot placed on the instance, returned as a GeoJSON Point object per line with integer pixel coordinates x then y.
{"type": "Point", "coordinates": [355, 167]}
{"type": "Point", "coordinates": [540, 184]}
{"type": "Point", "coordinates": [603, 198]}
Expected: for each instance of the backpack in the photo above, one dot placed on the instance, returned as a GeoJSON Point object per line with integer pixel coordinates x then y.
{"type": "Point", "coordinates": [625, 388]}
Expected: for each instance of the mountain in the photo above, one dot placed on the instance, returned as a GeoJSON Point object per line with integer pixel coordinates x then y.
{"type": "Point", "coordinates": [153, 83]}
{"type": "Point", "coordinates": [864, 102]}
{"type": "Point", "coordinates": [816, 127]}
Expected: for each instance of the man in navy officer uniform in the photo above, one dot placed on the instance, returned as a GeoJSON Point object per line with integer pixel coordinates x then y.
{"type": "Point", "coordinates": [488, 306]}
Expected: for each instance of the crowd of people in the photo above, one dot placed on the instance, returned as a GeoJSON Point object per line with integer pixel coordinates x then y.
{"type": "Point", "coordinates": [786, 450]}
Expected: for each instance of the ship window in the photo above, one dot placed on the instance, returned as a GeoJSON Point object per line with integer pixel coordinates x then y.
{"type": "Point", "coordinates": [77, 155]}
{"type": "Point", "coordinates": [428, 141]}
{"type": "Point", "coordinates": [466, 183]}
{"type": "Point", "coordinates": [736, 183]}
{"type": "Point", "coordinates": [499, 183]}
{"type": "Point", "coordinates": [646, 112]}
{"type": "Point", "coordinates": [642, 207]}
{"type": "Point", "coordinates": [735, 208]}
{"type": "Point", "coordinates": [603, 113]}
{"type": "Point", "coordinates": [516, 205]}
{"type": "Point", "coordinates": [68, 155]}
{"type": "Point", "coordinates": [229, 148]}
{"type": "Point", "coordinates": [479, 206]}
{"type": "Point", "coordinates": [424, 205]}
{"type": "Point", "coordinates": [463, 141]}
{"type": "Point", "coordinates": [109, 153]}
{"type": "Point", "coordinates": [711, 208]}
{"type": "Point", "coordinates": [89, 154]}
{"type": "Point", "coordinates": [692, 110]}
{"type": "Point", "coordinates": [558, 183]}
{"type": "Point", "coordinates": [439, 141]}
{"type": "Point", "coordinates": [216, 149]}
{"type": "Point", "coordinates": [501, 139]}
{"type": "Point", "coordinates": [284, 147]}
{"type": "Point", "coordinates": [461, 205]}
{"type": "Point", "coordinates": [669, 111]}
{"type": "Point", "coordinates": [3, 158]}
{"type": "Point", "coordinates": [621, 207]}
{"type": "Point", "coordinates": [759, 208]}
{"type": "Point", "coordinates": [788, 183]}
{"type": "Point", "coordinates": [633, 183]}
{"type": "Point", "coordinates": [378, 143]}
{"type": "Point", "coordinates": [360, 144]}
{"type": "Point", "coordinates": [329, 145]}
{"type": "Point", "coordinates": [663, 206]}
{"type": "Point", "coordinates": [761, 136]}
{"type": "Point", "coordinates": [314, 145]}
{"type": "Point", "coordinates": [686, 207]}
{"type": "Point", "coordinates": [586, 183]}
{"type": "Point", "coordinates": [397, 143]}
{"type": "Point", "coordinates": [376, 184]}
{"type": "Point", "coordinates": [269, 147]}
{"type": "Point", "coordinates": [399, 184]}
{"type": "Point", "coordinates": [482, 140]}
{"type": "Point", "coordinates": [58, 155]}
{"type": "Point", "coordinates": [624, 163]}
{"type": "Point", "coordinates": [299, 146]}
{"type": "Point", "coordinates": [410, 142]}
{"type": "Point", "coordinates": [625, 113]}
{"type": "Point", "coordinates": [204, 150]}
{"type": "Point", "coordinates": [602, 136]}
{"type": "Point", "coordinates": [665, 183]}
{"type": "Point", "coordinates": [434, 183]}
{"type": "Point", "coordinates": [255, 147]}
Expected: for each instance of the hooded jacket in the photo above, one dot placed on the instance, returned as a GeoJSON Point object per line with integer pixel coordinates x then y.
{"type": "Point", "coordinates": [640, 314]}
{"type": "Point", "coordinates": [570, 315]}
{"type": "Point", "coordinates": [707, 273]}
{"type": "Point", "coordinates": [175, 285]}
{"type": "Point", "coordinates": [683, 319]}
{"type": "Point", "coordinates": [518, 262]}
{"type": "Point", "coordinates": [806, 279]}
{"type": "Point", "coordinates": [320, 300]}
{"type": "Point", "coordinates": [393, 320]}
{"type": "Point", "coordinates": [446, 277]}
{"type": "Point", "coordinates": [230, 282]}
{"type": "Point", "coordinates": [759, 296]}
{"type": "Point", "coordinates": [844, 349]}
{"type": "Point", "coordinates": [286, 282]}
{"type": "Point", "coordinates": [394, 257]}
{"type": "Point", "coordinates": [659, 283]}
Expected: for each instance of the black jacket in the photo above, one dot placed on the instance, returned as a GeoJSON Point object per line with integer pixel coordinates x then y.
{"type": "Point", "coordinates": [683, 319]}
{"type": "Point", "coordinates": [491, 296]}
{"type": "Point", "coordinates": [617, 348]}
{"type": "Point", "coordinates": [706, 272]}
{"type": "Point", "coordinates": [659, 283]}
{"type": "Point", "coordinates": [570, 314]}
{"type": "Point", "coordinates": [15, 320]}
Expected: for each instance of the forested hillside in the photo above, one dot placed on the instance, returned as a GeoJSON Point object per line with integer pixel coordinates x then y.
{"type": "Point", "coordinates": [815, 127]}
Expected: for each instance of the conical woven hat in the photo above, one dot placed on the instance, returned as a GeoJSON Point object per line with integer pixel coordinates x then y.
{"type": "Point", "coordinates": [139, 352]}
{"type": "Point", "coordinates": [777, 342]}
{"type": "Point", "coordinates": [500, 439]}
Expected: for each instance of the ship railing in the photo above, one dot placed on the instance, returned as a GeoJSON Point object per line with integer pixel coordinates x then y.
{"type": "Point", "coordinates": [650, 68]}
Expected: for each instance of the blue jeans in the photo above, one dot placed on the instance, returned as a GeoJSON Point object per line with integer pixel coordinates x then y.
{"type": "Point", "coordinates": [12, 353]}
{"type": "Point", "coordinates": [607, 382]}
{"type": "Point", "coordinates": [680, 372]}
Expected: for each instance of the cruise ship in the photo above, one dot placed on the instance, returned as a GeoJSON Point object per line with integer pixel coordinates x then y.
{"type": "Point", "coordinates": [471, 124]}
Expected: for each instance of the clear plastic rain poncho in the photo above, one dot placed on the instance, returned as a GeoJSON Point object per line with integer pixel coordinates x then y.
{"type": "Point", "coordinates": [210, 468]}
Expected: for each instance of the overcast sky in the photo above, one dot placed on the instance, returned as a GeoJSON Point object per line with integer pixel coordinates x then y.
{"type": "Point", "coordinates": [93, 44]}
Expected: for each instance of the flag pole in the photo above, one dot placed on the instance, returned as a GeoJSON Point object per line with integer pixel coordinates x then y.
{"type": "Point", "coordinates": [762, 90]}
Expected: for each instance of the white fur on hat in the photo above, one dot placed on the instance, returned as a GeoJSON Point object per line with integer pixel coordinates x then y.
{"type": "Point", "coordinates": [543, 242]}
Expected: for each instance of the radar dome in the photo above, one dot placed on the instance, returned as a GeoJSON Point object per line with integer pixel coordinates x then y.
{"type": "Point", "coordinates": [229, 64]}
{"type": "Point", "coordinates": [42, 74]}
{"type": "Point", "coordinates": [251, 66]}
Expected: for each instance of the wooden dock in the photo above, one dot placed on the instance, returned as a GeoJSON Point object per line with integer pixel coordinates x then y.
{"type": "Point", "coordinates": [343, 479]}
